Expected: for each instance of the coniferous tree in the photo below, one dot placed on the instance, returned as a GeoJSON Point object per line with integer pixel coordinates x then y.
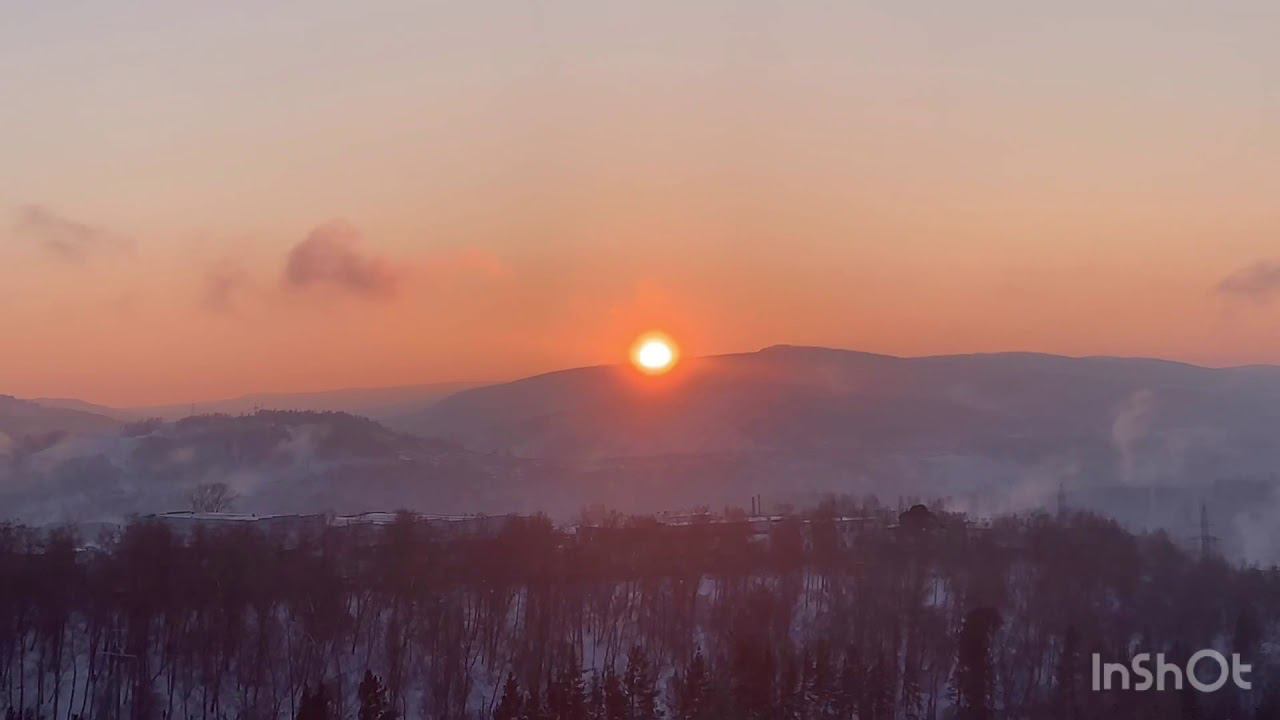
{"type": "Point", "coordinates": [567, 700]}
{"type": "Point", "coordinates": [790, 704]}
{"type": "Point", "coordinates": [510, 706]}
{"type": "Point", "coordinates": [692, 699]}
{"type": "Point", "coordinates": [315, 706]}
{"type": "Point", "coordinates": [595, 699]}
{"type": "Point", "coordinates": [974, 676]}
{"type": "Point", "coordinates": [1068, 697]}
{"type": "Point", "coordinates": [534, 708]}
{"type": "Point", "coordinates": [373, 699]}
{"type": "Point", "coordinates": [877, 692]}
{"type": "Point", "coordinates": [849, 693]}
{"type": "Point", "coordinates": [641, 686]}
{"type": "Point", "coordinates": [615, 697]}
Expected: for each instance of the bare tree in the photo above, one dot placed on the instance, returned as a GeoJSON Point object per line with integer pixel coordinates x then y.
{"type": "Point", "coordinates": [212, 497]}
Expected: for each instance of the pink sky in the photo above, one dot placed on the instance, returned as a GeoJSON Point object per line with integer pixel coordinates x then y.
{"type": "Point", "coordinates": [197, 203]}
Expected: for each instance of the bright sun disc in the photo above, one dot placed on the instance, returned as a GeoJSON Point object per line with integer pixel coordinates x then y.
{"type": "Point", "coordinates": [654, 354]}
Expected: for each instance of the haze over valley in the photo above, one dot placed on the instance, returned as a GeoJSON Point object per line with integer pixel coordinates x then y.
{"type": "Point", "coordinates": [1145, 441]}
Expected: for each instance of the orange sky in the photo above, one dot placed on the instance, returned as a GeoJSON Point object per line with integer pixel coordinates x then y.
{"type": "Point", "coordinates": [204, 203]}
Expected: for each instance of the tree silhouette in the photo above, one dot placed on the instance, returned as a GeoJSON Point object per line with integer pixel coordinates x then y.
{"type": "Point", "coordinates": [315, 706]}
{"type": "Point", "coordinates": [212, 498]}
{"type": "Point", "coordinates": [510, 705]}
{"type": "Point", "coordinates": [974, 677]}
{"type": "Point", "coordinates": [640, 687]}
{"type": "Point", "coordinates": [373, 699]}
{"type": "Point", "coordinates": [692, 692]}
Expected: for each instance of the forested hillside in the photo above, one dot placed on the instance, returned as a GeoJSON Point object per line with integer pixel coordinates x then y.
{"type": "Point", "coordinates": [625, 619]}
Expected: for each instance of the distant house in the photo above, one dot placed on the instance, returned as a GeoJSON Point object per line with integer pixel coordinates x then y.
{"type": "Point", "coordinates": [756, 529]}
{"type": "Point", "coordinates": [446, 525]}
{"type": "Point", "coordinates": [185, 522]}
{"type": "Point", "coordinates": [289, 527]}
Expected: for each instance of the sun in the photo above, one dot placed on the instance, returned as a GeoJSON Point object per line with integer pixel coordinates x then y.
{"type": "Point", "coordinates": [654, 353]}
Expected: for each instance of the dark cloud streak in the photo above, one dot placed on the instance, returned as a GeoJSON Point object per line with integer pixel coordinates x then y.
{"type": "Point", "coordinates": [329, 256]}
{"type": "Point", "coordinates": [222, 284]}
{"type": "Point", "coordinates": [1259, 281]}
{"type": "Point", "coordinates": [68, 239]}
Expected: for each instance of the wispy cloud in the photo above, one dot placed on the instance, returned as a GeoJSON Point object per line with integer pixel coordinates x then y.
{"type": "Point", "coordinates": [69, 239]}
{"type": "Point", "coordinates": [330, 256]}
{"type": "Point", "coordinates": [222, 284]}
{"type": "Point", "coordinates": [1259, 281]}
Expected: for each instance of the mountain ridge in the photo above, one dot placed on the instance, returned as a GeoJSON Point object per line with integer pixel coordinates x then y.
{"type": "Point", "coordinates": [379, 402]}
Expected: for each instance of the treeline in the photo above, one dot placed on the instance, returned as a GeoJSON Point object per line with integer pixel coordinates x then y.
{"type": "Point", "coordinates": [814, 618]}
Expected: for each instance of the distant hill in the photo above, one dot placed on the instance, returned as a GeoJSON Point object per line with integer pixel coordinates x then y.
{"type": "Point", "coordinates": [379, 403]}
{"type": "Point", "coordinates": [275, 461]}
{"type": "Point", "coordinates": [22, 418]}
{"type": "Point", "coordinates": [119, 414]}
{"type": "Point", "coordinates": [821, 402]}
{"type": "Point", "coordinates": [1144, 440]}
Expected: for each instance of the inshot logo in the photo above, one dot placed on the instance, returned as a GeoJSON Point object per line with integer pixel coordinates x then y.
{"type": "Point", "coordinates": [1108, 676]}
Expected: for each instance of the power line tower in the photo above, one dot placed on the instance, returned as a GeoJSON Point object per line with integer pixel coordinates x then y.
{"type": "Point", "coordinates": [1062, 500]}
{"type": "Point", "coordinates": [1208, 543]}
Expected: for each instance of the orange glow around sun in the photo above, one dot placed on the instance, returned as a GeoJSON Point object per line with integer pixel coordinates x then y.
{"type": "Point", "coordinates": [654, 353]}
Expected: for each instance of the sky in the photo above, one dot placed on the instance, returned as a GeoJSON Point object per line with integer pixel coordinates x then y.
{"type": "Point", "coordinates": [200, 201]}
